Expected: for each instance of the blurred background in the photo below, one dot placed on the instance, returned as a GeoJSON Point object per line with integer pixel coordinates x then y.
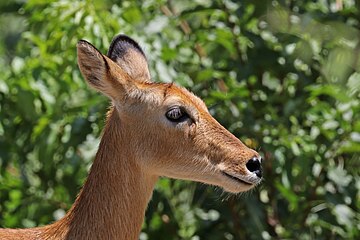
{"type": "Point", "coordinates": [283, 76]}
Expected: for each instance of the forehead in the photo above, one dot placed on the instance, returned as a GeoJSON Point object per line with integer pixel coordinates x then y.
{"type": "Point", "coordinates": [176, 93]}
{"type": "Point", "coordinates": [166, 94]}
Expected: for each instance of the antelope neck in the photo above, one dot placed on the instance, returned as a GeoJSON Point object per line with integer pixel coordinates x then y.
{"type": "Point", "coordinates": [114, 198]}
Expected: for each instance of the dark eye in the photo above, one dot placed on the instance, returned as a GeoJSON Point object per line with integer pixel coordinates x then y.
{"type": "Point", "coordinates": [176, 114]}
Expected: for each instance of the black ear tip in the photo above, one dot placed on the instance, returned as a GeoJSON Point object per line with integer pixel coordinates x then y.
{"type": "Point", "coordinates": [82, 42]}
{"type": "Point", "coordinates": [85, 45]}
{"type": "Point", "coordinates": [121, 39]}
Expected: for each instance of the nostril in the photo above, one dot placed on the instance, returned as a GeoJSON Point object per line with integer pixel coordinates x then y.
{"type": "Point", "coordinates": [253, 165]}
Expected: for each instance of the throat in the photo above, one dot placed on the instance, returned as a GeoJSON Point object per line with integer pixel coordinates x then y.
{"type": "Point", "coordinates": [114, 198]}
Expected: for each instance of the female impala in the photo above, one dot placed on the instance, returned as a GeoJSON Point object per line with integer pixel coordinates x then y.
{"type": "Point", "coordinates": [151, 130]}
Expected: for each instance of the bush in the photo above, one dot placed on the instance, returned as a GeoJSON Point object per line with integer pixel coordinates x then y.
{"type": "Point", "coordinates": [283, 76]}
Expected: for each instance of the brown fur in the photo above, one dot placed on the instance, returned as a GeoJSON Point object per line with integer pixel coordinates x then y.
{"type": "Point", "coordinates": [138, 145]}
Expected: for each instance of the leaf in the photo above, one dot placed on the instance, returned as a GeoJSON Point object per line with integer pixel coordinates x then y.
{"type": "Point", "coordinates": [333, 91]}
{"type": "Point", "coordinates": [289, 195]}
{"type": "Point", "coordinates": [339, 176]}
{"type": "Point", "coordinates": [344, 215]}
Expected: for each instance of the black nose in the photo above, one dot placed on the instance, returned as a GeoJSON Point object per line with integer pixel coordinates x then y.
{"type": "Point", "coordinates": [254, 165]}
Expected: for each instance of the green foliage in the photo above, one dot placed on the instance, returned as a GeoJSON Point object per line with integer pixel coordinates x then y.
{"type": "Point", "coordinates": [283, 76]}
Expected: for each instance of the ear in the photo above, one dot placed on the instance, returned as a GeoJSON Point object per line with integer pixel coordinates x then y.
{"type": "Point", "coordinates": [92, 64]}
{"type": "Point", "coordinates": [100, 72]}
{"type": "Point", "coordinates": [127, 53]}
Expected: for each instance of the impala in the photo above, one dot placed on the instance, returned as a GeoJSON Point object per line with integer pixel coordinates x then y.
{"type": "Point", "coordinates": [152, 130]}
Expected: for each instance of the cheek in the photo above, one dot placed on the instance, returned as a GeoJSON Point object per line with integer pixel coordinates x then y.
{"type": "Point", "coordinates": [170, 149]}
{"type": "Point", "coordinates": [162, 144]}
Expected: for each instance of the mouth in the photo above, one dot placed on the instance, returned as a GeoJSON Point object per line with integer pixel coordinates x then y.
{"type": "Point", "coordinates": [236, 178]}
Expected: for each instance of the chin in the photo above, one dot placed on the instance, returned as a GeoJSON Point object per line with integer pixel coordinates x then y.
{"type": "Point", "coordinates": [238, 189]}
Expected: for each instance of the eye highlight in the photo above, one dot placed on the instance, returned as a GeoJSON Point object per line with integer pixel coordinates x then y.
{"type": "Point", "coordinates": [176, 114]}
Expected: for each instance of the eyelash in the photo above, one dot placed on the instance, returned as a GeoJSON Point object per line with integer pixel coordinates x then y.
{"type": "Point", "coordinates": [176, 114]}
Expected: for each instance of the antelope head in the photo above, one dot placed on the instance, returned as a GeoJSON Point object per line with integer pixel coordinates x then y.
{"type": "Point", "coordinates": [165, 129]}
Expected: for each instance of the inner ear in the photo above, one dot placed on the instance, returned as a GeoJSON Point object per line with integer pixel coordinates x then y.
{"type": "Point", "coordinates": [127, 53]}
